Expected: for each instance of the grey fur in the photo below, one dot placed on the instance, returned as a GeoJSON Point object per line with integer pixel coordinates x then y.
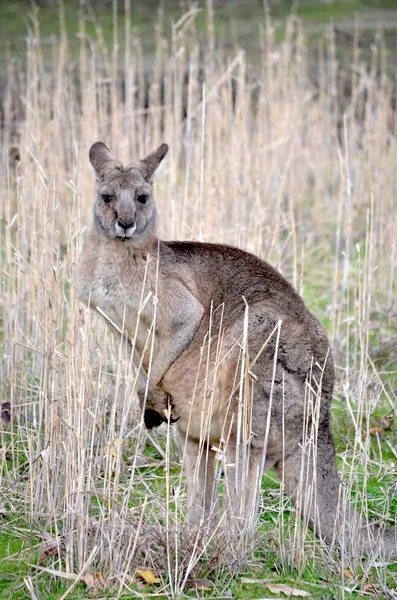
{"type": "Point", "coordinates": [284, 420]}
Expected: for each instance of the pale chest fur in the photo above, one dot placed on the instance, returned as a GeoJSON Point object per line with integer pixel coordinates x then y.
{"type": "Point", "coordinates": [122, 290]}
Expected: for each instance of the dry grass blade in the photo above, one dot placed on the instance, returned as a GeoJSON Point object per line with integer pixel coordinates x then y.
{"type": "Point", "coordinates": [279, 588]}
{"type": "Point", "coordinates": [80, 576]}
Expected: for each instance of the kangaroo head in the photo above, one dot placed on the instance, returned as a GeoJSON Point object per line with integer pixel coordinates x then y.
{"type": "Point", "coordinates": [125, 208]}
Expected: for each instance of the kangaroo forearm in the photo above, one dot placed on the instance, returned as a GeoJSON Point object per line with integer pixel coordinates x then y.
{"type": "Point", "coordinates": [171, 347]}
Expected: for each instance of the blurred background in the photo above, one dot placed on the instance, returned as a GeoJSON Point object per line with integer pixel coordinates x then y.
{"type": "Point", "coordinates": [236, 22]}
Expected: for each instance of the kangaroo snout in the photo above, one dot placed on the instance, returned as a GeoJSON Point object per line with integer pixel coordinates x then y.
{"type": "Point", "coordinates": [125, 224]}
{"type": "Point", "coordinates": [125, 228]}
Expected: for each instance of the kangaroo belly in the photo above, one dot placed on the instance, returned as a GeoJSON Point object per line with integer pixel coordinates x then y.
{"type": "Point", "coordinates": [201, 383]}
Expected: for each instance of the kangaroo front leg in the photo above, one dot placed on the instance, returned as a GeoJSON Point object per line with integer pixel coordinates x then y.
{"type": "Point", "coordinates": [199, 467]}
{"type": "Point", "coordinates": [173, 340]}
{"type": "Point", "coordinates": [152, 399]}
{"type": "Point", "coordinates": [170, 343]}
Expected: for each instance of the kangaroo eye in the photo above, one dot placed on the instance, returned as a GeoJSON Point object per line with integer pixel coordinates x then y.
{"type": "Point", "coordinates": [107, 198]}
{"type": "Point", "coordinates": [142, 199]}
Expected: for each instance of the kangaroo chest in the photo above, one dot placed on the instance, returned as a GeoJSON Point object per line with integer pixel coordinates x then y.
{"type": "Point", "coordinates": [125, 297]}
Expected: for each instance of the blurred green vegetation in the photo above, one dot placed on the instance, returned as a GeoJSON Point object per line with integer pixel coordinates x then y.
{"type": "Point", "coordinates": [236, 24]}
{"type": "Point", "coordinates": [16, 18]}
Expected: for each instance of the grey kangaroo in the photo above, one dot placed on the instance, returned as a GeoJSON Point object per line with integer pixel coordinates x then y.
{"type": "Point", "coordinates": [236, 359]}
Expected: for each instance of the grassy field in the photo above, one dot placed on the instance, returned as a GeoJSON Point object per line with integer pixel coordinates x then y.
{"type": "Point", "coordinates": [302, 174]}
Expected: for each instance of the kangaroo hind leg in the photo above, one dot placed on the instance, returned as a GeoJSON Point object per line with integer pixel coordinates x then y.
{"type": "Point", "coordinates": [243, 471]}
{"type": "Point", "coordinates": [199, 467]}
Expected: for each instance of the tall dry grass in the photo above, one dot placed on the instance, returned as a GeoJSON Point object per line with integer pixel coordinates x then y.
{"type": "Point", "coordinates": [261, 157]}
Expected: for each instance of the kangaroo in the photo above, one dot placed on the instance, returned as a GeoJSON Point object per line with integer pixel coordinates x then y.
{"type": "Point", "coordinates": [236, 359]}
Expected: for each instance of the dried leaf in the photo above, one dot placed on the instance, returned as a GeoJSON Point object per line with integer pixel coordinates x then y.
{"type": "Point", "coordinates": [99, 579]}
{"type": "Point", "coordinates": [369, 587]}
{"type": "Point", "coordinates": [373, 431]}
{"type": "Point", "coordinates": [199, 584]}
{"type": "Point", "coordinates": [89, 581]}
{"type": "Point", "coordinates": [50, 546]}
{"type": "Point", "coordinates": [280, 588]}
{"type": "Point", "coordinates": [347, 574]}
{"type": "Point", "coordinates": [147, 576]}
{"type": "Point", "coordinates": [94, 581]}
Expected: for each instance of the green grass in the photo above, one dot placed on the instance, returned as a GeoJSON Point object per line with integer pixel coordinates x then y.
{"type": "Point", "coordinates": [316, 11]}
{"type": "Point", "coordinates": [17, 19]}
{"type": "Point", "coordinates": [263, 564]}
{"type": "Point", "coordinates": [12, 567]}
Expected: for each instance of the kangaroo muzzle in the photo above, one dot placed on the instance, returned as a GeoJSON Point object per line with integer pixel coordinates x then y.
{"type": "Point", "coordinates": [125, 229]}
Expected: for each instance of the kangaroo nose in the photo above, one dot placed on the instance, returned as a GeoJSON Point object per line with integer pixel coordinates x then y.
{"type": "Point", "coordinates": [125, 224]}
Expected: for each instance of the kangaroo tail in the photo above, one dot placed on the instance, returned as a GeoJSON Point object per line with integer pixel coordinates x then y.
{"type": "Point", "coordinates": [312, 481]}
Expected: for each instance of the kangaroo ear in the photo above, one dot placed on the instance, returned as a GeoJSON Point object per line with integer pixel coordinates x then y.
{"type": "Point", "coordinates": [149, 164]}
{"type": "Point", "coordinates": [100, 156]}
